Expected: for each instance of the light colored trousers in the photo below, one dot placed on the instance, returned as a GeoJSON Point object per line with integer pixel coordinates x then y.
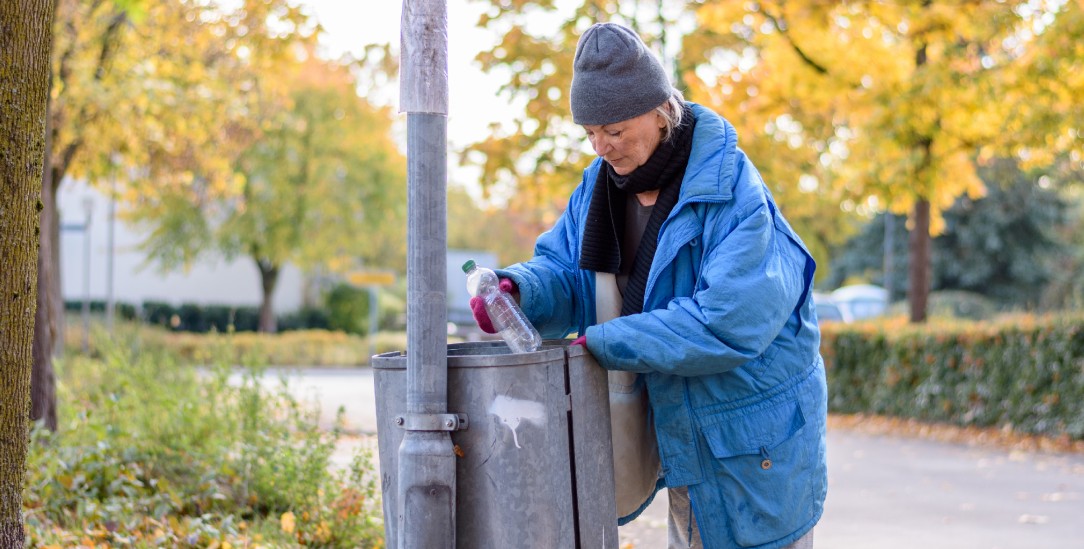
{"type": "Point", "coordinates": [684, 534]}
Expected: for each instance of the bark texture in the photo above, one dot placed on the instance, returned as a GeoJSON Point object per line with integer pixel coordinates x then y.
{"type": "Point", "coordinates": [50, 314]}
{"type": "Point", "coordinates": [269, 278]}
{"type": "Point", "coordinates": [919, 249]}
{"type": "Point", "coordinates": [25, 42]}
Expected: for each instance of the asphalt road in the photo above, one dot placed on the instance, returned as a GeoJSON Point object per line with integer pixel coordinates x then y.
{"type": "Point", "coordinates": [884, 492]}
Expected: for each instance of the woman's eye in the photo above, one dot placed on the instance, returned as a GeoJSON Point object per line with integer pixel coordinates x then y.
{"type": "Point", "coordinates": [614, 134]}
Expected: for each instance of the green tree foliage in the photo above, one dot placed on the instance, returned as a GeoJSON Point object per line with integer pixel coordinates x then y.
{"type": "Point", "coordinates": [1067, 287]}
{"type": "Point", "coordinates": [1005, 246]}
{"type": "Point", "coordinates": [348, 309]}
{"type": "Point", "coordinates": [323, 185]}
{"type": "Point", "coordinates": [862, 257]}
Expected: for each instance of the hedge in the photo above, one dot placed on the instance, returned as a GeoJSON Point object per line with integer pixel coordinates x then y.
{"type": "Point", "coordinates": [200, 318]}
{"type": "Point", "coordinates": [294, 348]}
{"type": "Point", "coordinates": [124, 311]}
{"type": "Point", "coordinates": [345, 309]}
{"type": "Point", "coordinates": [1021, 373]}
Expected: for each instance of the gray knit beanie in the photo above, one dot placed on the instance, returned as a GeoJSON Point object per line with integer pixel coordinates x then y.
{"type": "Point", "coordinates": [615, 77]}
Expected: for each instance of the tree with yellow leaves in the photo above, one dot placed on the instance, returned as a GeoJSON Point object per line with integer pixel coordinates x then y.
{"type": "Point", "coordinates": [323, 186]}
{"type": "Point", "coordinates": [847, 107]}
{"type": "Point", "coordinates": [542, 154]}
{"type": "Point", "coordinates": [902, 98]}
{"type": "Point", "coordinates": [159, 95]}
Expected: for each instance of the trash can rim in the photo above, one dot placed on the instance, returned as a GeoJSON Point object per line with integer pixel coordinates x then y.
{"type": "Point", "coordinates": [552, 350]}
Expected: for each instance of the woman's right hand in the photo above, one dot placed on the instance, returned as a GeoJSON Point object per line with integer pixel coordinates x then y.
{"type": "Point", "coordinates": [478, 306]}
{"type": "Point", "coordinates": [481, 317]}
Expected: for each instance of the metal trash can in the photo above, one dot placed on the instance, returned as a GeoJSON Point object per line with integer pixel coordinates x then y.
{"type": "Point", "coordinates": [534, 468]}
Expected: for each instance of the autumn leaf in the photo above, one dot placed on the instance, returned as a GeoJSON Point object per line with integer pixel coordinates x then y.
{"type": "Point", "coordinates": [287, 522]}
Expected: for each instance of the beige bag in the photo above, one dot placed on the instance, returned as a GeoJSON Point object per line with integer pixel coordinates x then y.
{"type": "Point", "coordinates": [636, 451]}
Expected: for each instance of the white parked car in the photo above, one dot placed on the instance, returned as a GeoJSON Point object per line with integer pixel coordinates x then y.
{"type": "Point", "coordinates": [827, 308]}
{"type": "Point", "coordinates": [851, 303]}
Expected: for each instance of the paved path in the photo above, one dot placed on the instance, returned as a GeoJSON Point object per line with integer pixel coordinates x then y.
{"type": "Point", "coordinates": [884, 492]}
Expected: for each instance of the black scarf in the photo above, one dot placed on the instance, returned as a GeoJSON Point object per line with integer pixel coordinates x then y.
{"type": "Point", "coordinates": [600, 250]}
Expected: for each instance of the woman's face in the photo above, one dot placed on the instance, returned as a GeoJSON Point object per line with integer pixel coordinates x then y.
{"type": "Point", "coordinates": [627, 145]}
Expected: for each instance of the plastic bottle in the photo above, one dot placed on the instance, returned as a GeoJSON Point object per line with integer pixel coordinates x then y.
{"type": "Point", "coordinates": [507, 318]}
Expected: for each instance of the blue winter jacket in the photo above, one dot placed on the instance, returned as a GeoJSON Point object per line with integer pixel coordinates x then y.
{"type": "Point", "coordinates": [728, 343]}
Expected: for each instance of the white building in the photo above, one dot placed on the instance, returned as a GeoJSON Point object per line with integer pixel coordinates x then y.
{"type": "Point", "coordinates": [209, 281]}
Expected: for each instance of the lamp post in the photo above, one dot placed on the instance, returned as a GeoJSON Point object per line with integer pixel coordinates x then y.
{"type": "Point", "coordinates": [889, 249]}
{"type": "Point", "coordinates": [427, 486]}
{"type": "Point", "coordinates": [84, 227]}
{"type": "Point", "coordinates": [110, 301]}
{"type": "Point", "coordinates": [88, 209]}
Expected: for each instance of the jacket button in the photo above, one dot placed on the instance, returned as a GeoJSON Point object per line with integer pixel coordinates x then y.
{"type": "Point", "coordinates": [766, 464]}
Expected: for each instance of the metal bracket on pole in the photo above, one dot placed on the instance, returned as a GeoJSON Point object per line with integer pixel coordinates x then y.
{"type": "Point", "coordinates": [432, 422]}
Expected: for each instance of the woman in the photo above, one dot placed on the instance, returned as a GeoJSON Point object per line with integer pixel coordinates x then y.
{"type": "Point", "coordinates": [715, 307]}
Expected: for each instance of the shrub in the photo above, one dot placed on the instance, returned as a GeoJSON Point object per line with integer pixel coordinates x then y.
{"type": "Point", "coordinates": [124, 311]}
{"type": "Point", "coordinates": [192, 318]}
{"type": "Point", "coordinates": [150, 453]}
{"type": "Point", "coordinates": [1019, 372]}
{"type": "Point", "coordinates": [200, 318]}
{"type": "Point", "coordinates": [218, 318]}
{"type": "Point", "coordinates": [246, 319]}
{"type": "Point", "coordinates": [293, 348]}
{"type": "Point", "coordinates": [158, 313]}
{"type": "Point", "coordinates": [348, 309]}
{"type": "Point", "coordinates": [306, 318]}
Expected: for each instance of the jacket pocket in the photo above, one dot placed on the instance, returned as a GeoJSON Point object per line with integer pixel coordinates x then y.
{"type": "Point", "coordinates": [764, 466]}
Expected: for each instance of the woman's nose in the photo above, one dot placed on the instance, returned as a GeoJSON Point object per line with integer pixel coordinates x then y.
{"type": "Point", "coordinates": [601, 146]}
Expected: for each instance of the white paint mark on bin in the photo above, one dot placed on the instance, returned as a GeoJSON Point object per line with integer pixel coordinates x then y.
{"type": "Point", "coordinates": [512, 411]}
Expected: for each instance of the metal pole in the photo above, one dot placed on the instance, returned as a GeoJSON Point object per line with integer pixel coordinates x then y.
{"type": "Point", "coordinates": [373, 319]}
{"type": "Point", "coordinates": [889, 247]}
{"type": "Point", "coordinates": [88, 208]}
{"type": "Point", "coordinates": [426, 491]}
{"type": "Point", "coordinates": [110, 303]}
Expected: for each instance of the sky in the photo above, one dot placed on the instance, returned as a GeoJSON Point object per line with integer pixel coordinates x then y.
{"type": "Point", "coordinates": [351, 24]}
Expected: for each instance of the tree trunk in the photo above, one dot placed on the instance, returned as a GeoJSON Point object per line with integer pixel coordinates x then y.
{"type": "Point", "coordinates": [49, 330]}
{"type": "Point", "coordinates": [919, 249]}
{"type": "Point", "coordinates": [47, 327]}
{"type": "Point", "coordinates": [50, 305]}
{"type": "Point", "coordinates": [269, 278]}
{"type": "Point", "coordinates": [43, 381]}
{"type": "Point", "coordinates": [25, 41]}
{"type": "Point", "coordinates": [919, 245]}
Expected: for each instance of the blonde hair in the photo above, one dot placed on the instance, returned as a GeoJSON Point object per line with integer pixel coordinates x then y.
{"type": "Point", "coordinates": [671, 112]}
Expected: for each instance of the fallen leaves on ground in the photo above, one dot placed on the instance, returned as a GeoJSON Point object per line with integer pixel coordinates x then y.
{"type": "Point", "coordinates": [972, 436]}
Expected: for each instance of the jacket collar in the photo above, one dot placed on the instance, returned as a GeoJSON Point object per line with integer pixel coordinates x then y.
{"type": "Point", "coordinates": [713, 160]}
{"type": "Point", "coordinates": [709, 175]}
